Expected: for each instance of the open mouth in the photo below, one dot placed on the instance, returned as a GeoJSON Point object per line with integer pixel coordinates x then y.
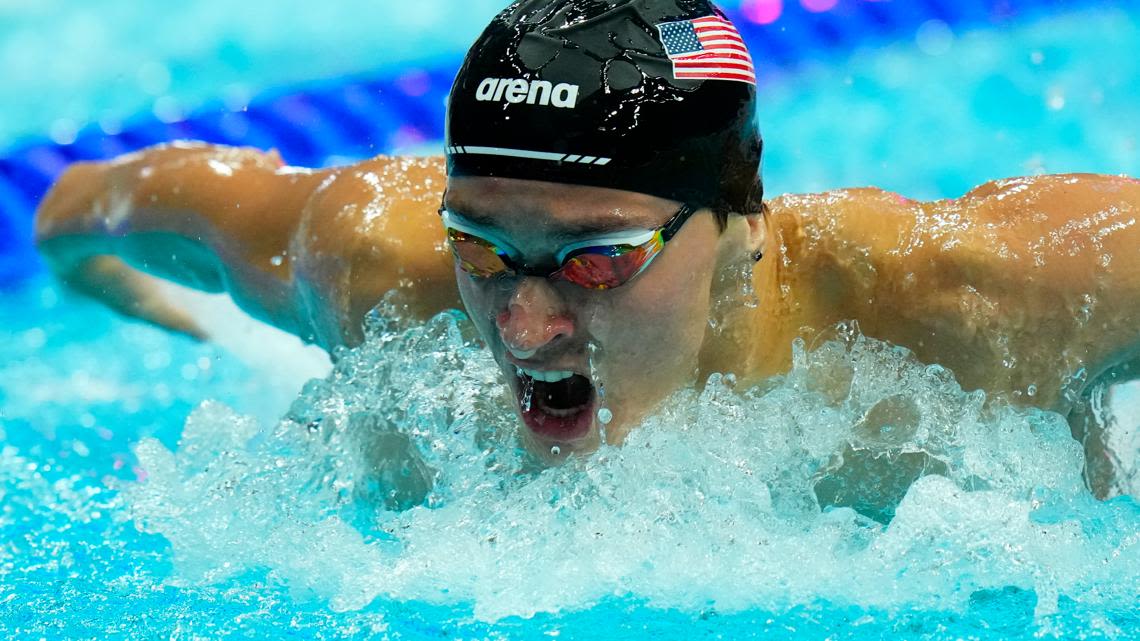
{"type": "Point", "coordinates": [557, 405]}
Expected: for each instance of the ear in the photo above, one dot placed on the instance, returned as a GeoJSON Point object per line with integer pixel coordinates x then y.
{"type": "Point", "coordinates": [743, 236]}
{"type": "Point", "coordinates": [757, 231]}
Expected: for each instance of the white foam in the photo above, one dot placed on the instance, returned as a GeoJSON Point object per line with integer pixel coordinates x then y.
{"type": "Point", "coordinates": [711, 503]}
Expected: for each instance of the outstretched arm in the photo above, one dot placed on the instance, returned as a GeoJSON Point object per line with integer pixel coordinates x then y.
{"type": "Point", "coordinates": [307, 251]}
{"type": "Point", "coordinates": [1027, 286]}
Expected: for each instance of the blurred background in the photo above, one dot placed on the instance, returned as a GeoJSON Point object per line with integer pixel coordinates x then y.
{"type": "Point", "coordinates": [928, 97]}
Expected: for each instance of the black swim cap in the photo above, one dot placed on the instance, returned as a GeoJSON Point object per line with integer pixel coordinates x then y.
{"type": "Point", "coordinates": [652, 96]}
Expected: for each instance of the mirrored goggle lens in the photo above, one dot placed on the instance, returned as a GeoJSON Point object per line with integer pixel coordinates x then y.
{"type": "Point", "coordinates": [608, 267]}
{"type": "Point", "coordinates": [476, 256]}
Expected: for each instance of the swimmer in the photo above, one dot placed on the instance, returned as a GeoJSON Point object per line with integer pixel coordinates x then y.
{"type": "Point", "coordinates": [603, 221]}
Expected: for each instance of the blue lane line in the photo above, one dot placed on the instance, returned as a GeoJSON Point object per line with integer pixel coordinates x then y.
{"type": "Point", "coordinates": [357, 118]}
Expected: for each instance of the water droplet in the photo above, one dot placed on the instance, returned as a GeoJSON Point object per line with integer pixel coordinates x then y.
{"type": "Point", "coordinates": [277, 260]}
{"type": "Point", "coordinates": [604, 414]}
{"type": "Point", "coordinates": [595, 376]}
{"type": "Point", "coordinates": [555, 450]}
{"type": "Point", "coordinates": [1032, 390]}
{"type": "Point", "coordinates": [528, 394]}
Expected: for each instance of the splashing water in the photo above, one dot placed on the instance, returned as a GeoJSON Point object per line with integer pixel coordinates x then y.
{"type": "Point", "coordinates": [527, 395]}
{"type": "Point", "coordinates": [398, 477]}
{"type": "Point", "coordinates": [605, 414]}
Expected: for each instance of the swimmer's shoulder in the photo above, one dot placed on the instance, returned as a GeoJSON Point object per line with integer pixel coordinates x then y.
{"type": "Point", "coordinates": [385, 206]}
{"type": "Point", "coordinates": [402, 184]}
{"type": "Point", "coordinates": [371, 228]}
{"type": "Point", "coordinates": [876, 221]}
{"type": "Point", "coordinates": [841, 225]}
{"type": "Point", "coordinates": [1014, 267]}
{"type": "Point", "coordinates": [1078, 230]}
{"type": "Point", "coordinates": [1062, 185]}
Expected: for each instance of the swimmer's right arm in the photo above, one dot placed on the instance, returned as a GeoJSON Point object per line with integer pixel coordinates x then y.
{"type": "Point", "coordinates": [307, 251]}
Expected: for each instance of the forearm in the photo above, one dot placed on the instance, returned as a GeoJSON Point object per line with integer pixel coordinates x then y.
{"type": "Point", "coordinates": [132, 293]}
{"type": "Point", "coordinates": [212, 218]}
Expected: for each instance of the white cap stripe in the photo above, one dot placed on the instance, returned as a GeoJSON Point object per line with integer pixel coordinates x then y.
{"type": "Point", "coordinates": [525, 153]}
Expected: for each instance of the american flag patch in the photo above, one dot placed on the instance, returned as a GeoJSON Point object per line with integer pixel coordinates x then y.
{"type": "Point", "coordinates": [708, 48]}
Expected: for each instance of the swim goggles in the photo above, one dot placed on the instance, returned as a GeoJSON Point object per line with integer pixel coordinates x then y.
{"type": "Point", "coordinates": [602, 262]}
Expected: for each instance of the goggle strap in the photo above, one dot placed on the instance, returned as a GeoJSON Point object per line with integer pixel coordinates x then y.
{"type": "Point", "coordinates": [677, 221]}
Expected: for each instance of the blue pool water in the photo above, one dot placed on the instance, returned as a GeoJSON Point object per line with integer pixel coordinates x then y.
{"type": "Point", "coordinates": [150, 488]}
{"type": "Point", "coordinates": [107, 61]}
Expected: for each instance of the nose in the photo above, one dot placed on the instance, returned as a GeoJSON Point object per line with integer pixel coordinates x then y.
{"type": "Point", "coordinates": [535, 316]}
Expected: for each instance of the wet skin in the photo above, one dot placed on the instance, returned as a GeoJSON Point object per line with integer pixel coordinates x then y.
{"type": "Point", "coordinates": [1018, 283]}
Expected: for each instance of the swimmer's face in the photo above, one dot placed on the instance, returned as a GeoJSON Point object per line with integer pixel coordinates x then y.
{"type": "Point", "coordinates": [638, 342]}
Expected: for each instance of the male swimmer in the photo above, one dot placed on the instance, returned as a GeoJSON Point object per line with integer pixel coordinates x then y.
{"type": "Point", "coordinates": [602, 221]}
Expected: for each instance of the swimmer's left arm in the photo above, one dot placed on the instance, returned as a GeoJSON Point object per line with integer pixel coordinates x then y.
{"type": "Point", "coordinates": [1066, 250]}
{"type": "Point", "coordinates": [1016, 287]}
